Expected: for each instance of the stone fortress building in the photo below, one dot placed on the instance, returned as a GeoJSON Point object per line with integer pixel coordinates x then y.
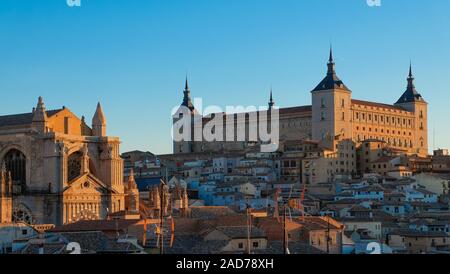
{"type": "Point", "coordinates": [334, 115]}
{"type": "Point", "coordinates": [55, 169]}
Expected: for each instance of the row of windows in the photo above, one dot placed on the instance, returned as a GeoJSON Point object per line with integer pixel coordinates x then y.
{"type": "Point", "coordinates": [382, 130]}
{"type": "Point", "coordinates": [295, 124]}
{"type": "Point", "coordinates": [391, 141]}
{"type": "Point", "coordinates": [343, 163]}
{"type": "Point", "coordinates": [395, 122]}
{"type": "Point", "coordinates": [368, 117]}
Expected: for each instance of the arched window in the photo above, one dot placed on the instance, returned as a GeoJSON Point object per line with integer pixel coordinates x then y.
{"type": "Point", "coordinates": [74, 166]}
{"type": "Point", "coordinates": [16, 163]}
{"type": "Point", "coordinates": [22, 214]}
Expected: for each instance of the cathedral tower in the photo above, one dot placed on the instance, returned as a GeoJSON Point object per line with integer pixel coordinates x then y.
{"type": "Point", "coordinates": [331, 108]}
{"type": "Point", "coordinates": [411, 100]}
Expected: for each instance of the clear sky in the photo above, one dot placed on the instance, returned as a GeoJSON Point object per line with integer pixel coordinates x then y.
{"type": "Point", "coordinates": [133, 55]}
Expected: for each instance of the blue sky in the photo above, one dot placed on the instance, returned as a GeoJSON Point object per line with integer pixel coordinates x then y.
{"type": "Point", "coordinates": [133, 55]}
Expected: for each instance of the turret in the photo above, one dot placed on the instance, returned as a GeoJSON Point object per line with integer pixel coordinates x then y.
{"type": "Point", "coordinates": [40, 119]}
{"type": "Point", "coordinates": [132, 194]}
{"type": "Point", "coordinates": [99, 122]}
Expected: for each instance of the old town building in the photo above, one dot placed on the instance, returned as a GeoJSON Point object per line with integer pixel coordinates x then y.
{"type": "Point", "coordinates": [57, 169]}
{"type": "Point", "coordinates": [333, 115]}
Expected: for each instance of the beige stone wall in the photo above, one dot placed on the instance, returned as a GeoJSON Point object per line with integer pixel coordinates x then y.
{"type": "Point", "coordinates": [331, 115]}
{"type": "Point", "coordinates": [292, 126]}
{"type": "Point", "coordinates": [50, 197]}
{"type": "Point", "coordinates": [394, 126]}
{"type": "Point", "coordinates": [422, 245]}
{"type": "Point", "coordinates": [66, 122]}
{"type": "Point", "coordinates": [318, 239]}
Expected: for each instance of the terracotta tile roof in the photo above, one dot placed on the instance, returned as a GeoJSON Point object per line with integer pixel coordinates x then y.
{"type": "Point", "coordinates": [317, 223]}
{"type": "Point", "coordinates": [276, 247]}
{"type": "Point", "coordinates": [273, 227]}
{"type": "Point", "coordinates": [95, 225]}
{"type": "Point", "coordinates": [240, 232]}
{"type": "Point", "coordinates": [98, 242]}
{"type": "Point", "coordinates": [49, 248]}
{"type": "Point", "coordinates": [415, 233]}
{"type": "Point", "coordinates": [211, 212]}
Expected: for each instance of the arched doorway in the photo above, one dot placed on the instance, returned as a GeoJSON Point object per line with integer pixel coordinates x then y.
{"type": "Point", "coordinates": [16, 163]}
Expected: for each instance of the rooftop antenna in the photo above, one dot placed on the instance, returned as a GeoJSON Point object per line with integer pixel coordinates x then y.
{"type": "Point", "coordinates": [434, 136]}
{"type": "Point", "coordinates": [249, 229]}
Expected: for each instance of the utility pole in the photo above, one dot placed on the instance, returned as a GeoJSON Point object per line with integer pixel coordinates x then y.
{"type": "Point", "coordinates": [161, 216]}
{"type": "Point", "coordinates": [284, 229]}
{"type": "Point", "coordinates": [328, 234]}
{"type": "Point", "coordinates": [249, 229]}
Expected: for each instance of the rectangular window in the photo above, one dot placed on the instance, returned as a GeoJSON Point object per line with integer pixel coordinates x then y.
{"type": "Point", "coordinates": [66, 125]}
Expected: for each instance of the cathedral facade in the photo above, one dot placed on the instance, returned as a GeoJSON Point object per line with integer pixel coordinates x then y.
{"type": "Point", "coordinates": [55, 169]}
{"type": "Point", "coordinates": [333, 115]}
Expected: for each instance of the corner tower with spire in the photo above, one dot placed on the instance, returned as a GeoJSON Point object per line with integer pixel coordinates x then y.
{"type": "Point", "coordinates": [185, 110]}
{"type": "Point", "coordinates": [331, 108]}
{"type": "Point", "coordinates": [411, 100]}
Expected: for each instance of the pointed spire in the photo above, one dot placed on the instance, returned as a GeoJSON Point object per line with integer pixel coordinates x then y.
{"type": "Point", "coordinates": [39, 113]}
{"type": "Point", "coordinates": [331, 80]}
{"type": "Point", "coordinates": [271, 101]}
{"type": "Point", "coordinates": [40, 119]}
{"type": "Point", "coordinates": [410, 77]}
{"type": "Point", "coordinates": [411, 94]}
{"type": "Point", "coordinates": [40, 104]}
{"type": "Point", "coordinates": [330, 60]}
{"type": "Point", "coordinates": [331, 65]}
{"type": "Point", "coordinates": [410, 69]}
{"type": "Point", "coordinates": [99, 117]}
{"type": "Point", "coordinates": [131, 180]}
{"type": "Point", "coordinates": [186, 86]}
{"type": "Point", "coordinates": [99, 122]}
{"type": "Point", "coordinates": [187, 102]}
